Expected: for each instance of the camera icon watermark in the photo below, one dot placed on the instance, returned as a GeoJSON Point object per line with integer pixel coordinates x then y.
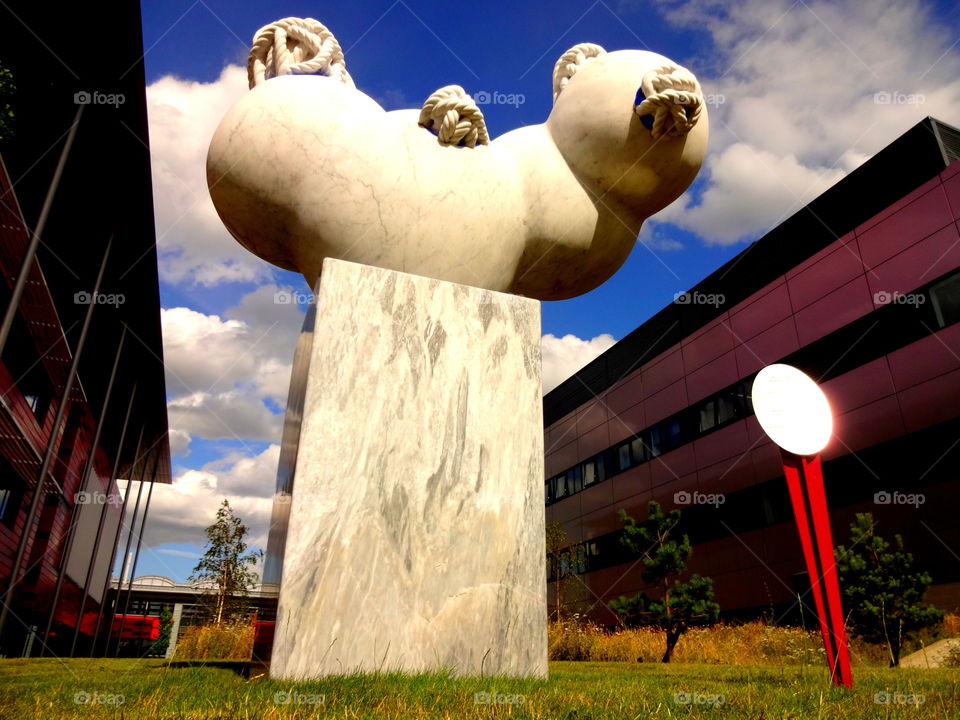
{"type": "Point", "coordinates": [292, 297]}
{"type": "Point", "coordinates": [94, 698]}
{"type": "Point", "coordinates": [99, 98]}
{"type": "Point", "coordinates": [898, 498]}
{"type": "Point", "coordinates": [698, 698]}
{"type": "Point", "coordinates": [292, 697]}
{"type": "Point", "coordinates": [494, 97]}
{"type": "Point", "coordinates": [685, 497]}
{"type": "Point", "coordinates": [85, 298]}
{"type": "Point", "coordinates": [895, 97]}
{"type": "Point", "coordinates": [96, 497]}
{"type": "Point", "coordinates": [495, 698]}
{"type": "Point", "coordinates": [885, 697]}
{"type": "Point", "coordinates": [698, 298]}
{"type": "Point", "coordinates": [883, 297]}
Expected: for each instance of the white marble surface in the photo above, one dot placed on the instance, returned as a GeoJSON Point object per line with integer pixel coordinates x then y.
{"type": "Point", "coordinates": [416, 531]}
{"type": "Point", "coordinates": [305, 167]}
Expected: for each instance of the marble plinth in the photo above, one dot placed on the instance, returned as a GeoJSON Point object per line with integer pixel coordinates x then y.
{"type": "Point", "coordinates": [416, 528]}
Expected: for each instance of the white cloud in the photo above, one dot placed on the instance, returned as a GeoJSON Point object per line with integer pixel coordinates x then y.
{"type": "Point", "coordinates": [220, 370]}
{"type": "Point", "coordinates": [562, 357]}
{"type": "Point", "coordinates": [195, 248]}
{"type": "Point", "coordinates": [799, 83]}
{"type": "Point", "coordinates": [180, 512]}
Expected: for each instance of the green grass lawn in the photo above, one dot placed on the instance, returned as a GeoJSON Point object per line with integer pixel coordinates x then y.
{"type": "Point", "coordinates": [156, 689]}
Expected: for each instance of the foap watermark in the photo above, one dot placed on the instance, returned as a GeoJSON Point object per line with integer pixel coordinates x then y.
{"type": "Point", "coordinates": [895, 97]}
{"type": "Point", "coordinates": [96, 498]}
{"type": "Point", "coordinates": [698, 298]}
{"type": "Point", "coordinates": [494, 97]}
{"type": "Point", "coordinates": [898, 498]}
{"type": "Point", "coordinates": [94, 698]}
{"type": "Point", "coordinates": [99, 98]}
{"type": "Point", "coordinates": [711, 99]}
{"type": "Point", "coordinates": [886, 697]}
{"type": "Point", "coordinates": [883, 297]}
{"type": "Point", "coordinates": [698, 698]}
{"type": "Point", "coordinates": [86, 298]}
{"type": "Point", "coordinates": [292, 697]}
{"type": "Point", "coordinates": [292, 297]}
{"type": "Point", "coordinates": [685, 497]}
{"type": "Point", "coordinates": [495, 698]}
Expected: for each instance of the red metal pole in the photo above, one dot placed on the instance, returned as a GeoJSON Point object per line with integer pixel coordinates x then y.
{"type": "Point", "coordinates": [805, 484]}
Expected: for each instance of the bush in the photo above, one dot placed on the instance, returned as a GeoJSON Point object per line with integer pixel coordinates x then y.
{"type": "Point", "coordinates": [228, 641]}
{"type": "Point", "coordinates": [752, 643]}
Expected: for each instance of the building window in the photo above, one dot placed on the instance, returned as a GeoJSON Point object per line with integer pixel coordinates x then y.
{"type": "Point", "coordinates": [623, 456]}
{"type": "Point", "coordinates": [593, 471]}
{"type": "Point", "coordinates": [11, 493]}
{"type": "Point", "coordinates": [708, 415]}
{"type": "Point", "coordinates": [945, 296]}
{"type": "Point", "coordinates": [638, 451]}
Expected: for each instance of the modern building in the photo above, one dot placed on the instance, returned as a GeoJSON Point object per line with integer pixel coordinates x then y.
{"type": "Point", "coordinates": [861, 290]}
{"type": "Point", "coordinates": [83, 400]}
{"type": "Point", "coordinates": [150, 595]}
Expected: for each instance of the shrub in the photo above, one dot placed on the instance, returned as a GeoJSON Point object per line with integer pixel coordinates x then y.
{"type": "Point", "coordinates": [227, 641]}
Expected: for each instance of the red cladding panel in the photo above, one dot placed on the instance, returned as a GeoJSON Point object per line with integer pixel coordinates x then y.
{"type": "Point", "coordinates": [931, 402]}
{"type": "Point", "coordinates": [868, 425]}
{"type": "Point", "coordinates": [600, 522]}
{"type": "Point", "coordinates": [626, 423]}
{"type": "Point", "coordinates": [952, 189]}
{"type": "Point", "coordinates": [761, 314]}
{"type": "Point", "coordinates": [914, 222]}
{"type": "Point", "coordinates": [596, 497]}
{"type": "Point", "coordinates": [667, 370]}
{"type": "Point", "coordinates": [727, 442]}
{"type": "Point", "coordinates": [712, 377]}
{"type": "Point", "coordinates": [919, 264]}
{"type": "Point", "coordinates": [925, 359]}
{"type": "Point", "coordinates": [591, 415]}
{"type": "Point", "coordinates": [728, 476]}
{"type": "Point", "coordinates": [561, 458]}
{"type": "Point", "coordinates": [860, 386]}
{"type": "Point", "coordinates": [707, 346]}
{"type": "Point", "coordinates": [630, 483]}
{"type": "Point", "coordinates": [767, 347]}
{"type": "Point", "coordinates": [626, 394]}
{"type": "Point", "coordinates": [592, 442]}
{"type": "Point", "coordinates": [677, 463]}
{"type": "Point", "coordinates": [835, 310]}
{"type": "Point", "coordinates": [666, 402]}
{"type": "Point", "coordinates": [825, 276]}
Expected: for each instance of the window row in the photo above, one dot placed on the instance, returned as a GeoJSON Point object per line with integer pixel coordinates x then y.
{"type": "Point", "coordinates": [727, 406]}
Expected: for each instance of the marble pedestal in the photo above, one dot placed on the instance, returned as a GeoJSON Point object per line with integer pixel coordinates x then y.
{"type": "Point", "coordinates": [416, 528]}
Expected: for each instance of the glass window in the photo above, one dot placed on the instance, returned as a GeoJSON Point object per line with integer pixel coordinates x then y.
{"type": "Point", "coordinates": [560, 486]}
{"type": "Point", "coordinates": [623, 456]}
{"type": "Point", "coordinates": [656, 442]}
{"type": "Point", "coordinates": [674, 436]}
{"type": "Point", "coordinates": [638, 450]}
{"type": "Point", "coordinates": [946, 300]}
{"type": "Point", "coordinates": [708, 415]}
{"type": "Point", "coordinates": [589, 472]}
{"type": "Point", "coordinates": [546, 493]}
{"type": "Point", "coordinates": [728, 407]}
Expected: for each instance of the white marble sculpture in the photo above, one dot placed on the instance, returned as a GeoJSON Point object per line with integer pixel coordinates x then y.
{"type": "Point", "coordinates": [305, 167]}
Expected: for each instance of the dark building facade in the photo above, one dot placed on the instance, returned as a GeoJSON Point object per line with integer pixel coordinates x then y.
{"type": "Point", "coordinates": [861, 290]}
{"type": "Point", "coordinates": [82, 394]}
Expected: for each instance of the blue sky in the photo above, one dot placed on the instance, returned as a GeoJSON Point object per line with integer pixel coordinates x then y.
{"type": "Point", "coordinates": [795, 85]}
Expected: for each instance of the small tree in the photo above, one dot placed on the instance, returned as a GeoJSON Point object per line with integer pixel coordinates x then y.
{"type": "Point", "coordinates": [160, 645]}
{"type": "Point", "coordinates": [881, 591]}
{"type": "Point", "coordinates": [224, 570]}
{"type": "Point", "coordinates": [556, 537]}
{"type": "Point", "coordinates": [681, 605]}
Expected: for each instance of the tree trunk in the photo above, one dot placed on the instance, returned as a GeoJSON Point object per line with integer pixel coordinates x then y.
{"type": "Point", "coordinates": [673, 636]}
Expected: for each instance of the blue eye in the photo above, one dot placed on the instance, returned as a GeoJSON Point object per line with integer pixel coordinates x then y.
{"type": "Point", "coordinates": [645, 120]}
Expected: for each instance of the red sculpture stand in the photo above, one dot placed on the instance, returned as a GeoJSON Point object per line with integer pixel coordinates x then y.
{"type": "Point", "coordinates": [805, 483]}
